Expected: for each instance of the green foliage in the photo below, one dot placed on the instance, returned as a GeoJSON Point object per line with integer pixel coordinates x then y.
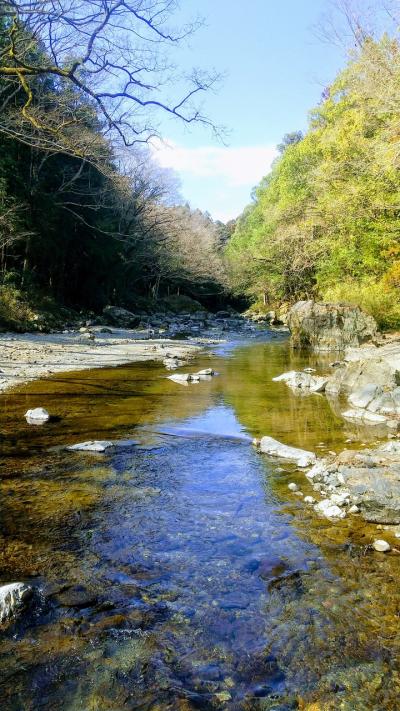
{"type": "Point", "coordinates": [372, 296]}
{"type": "Point", "coordinates": [15, 312]}
{"type": "Point", "coordinates": [326, 219]}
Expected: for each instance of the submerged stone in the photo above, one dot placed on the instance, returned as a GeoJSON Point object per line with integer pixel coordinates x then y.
{"type": "Point", "coordinates": [91, 446]}
{"type": "Point", "coordinates": [381, 546]}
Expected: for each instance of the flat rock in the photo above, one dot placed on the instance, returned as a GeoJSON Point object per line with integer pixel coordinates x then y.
{"type": "Point", "coordinates": [91, 446]}
{"type": "Point", "coordinates": [301, 457]}
{"type": "Point", "coordinates": [370, 418]}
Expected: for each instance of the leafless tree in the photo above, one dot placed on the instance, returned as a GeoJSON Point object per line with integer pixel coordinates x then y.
{"type": "Point", "coordinates": [349, 23]}
{"type": "Point", "coordinates": [106, 60]}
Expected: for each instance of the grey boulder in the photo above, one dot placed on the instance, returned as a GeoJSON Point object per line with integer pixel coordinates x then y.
{"type": "Point", "coordinates": [329, 326]}
{"type": "Point", "coordinates": [122, 318]}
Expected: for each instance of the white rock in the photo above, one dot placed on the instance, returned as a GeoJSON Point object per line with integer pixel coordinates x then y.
{"type": "Point", "coordinates": [293, 487]}
{"type": "Point", "coordinates": [309, 500]}
{"type": "Point", "coordinates": [13, 598]}
{"type": "Point", "coordinates": [206, 371]}
{"type": "Point", "coordinates": [302, 380]}
{"type": "Point", "coordinates": [38, 415]}
{"type": "Point", "coordinates": [365, 395]}
{"type": "Point", "coordinates": [354, 509]}
{"type": "Point", "coordinates": [318, 470]}
{"type": "Point", "coordinates": [268, 445]}
{"type": "Point", "coordinates": [392, 447]}
{"type": "Point", "coordinates": [182, 378]}
{"type": "Point", "coordinates": [91, 446]}
{"type": "Point", "coordinates": [310, 370]}
{"type": "Point", "coordinates": [364, 416]}
{"type": "Point", "coordinates": [340, 499]}
{"type": "Point", "coordinates": [329, 510]}
{"type": "Point", "coordinates": [299, 494]}
{"type": "Point", "coordinates": [381, 546]}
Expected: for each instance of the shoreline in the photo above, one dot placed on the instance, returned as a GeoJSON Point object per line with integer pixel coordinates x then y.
{"type": "Point", "coordinates": [31, 356]}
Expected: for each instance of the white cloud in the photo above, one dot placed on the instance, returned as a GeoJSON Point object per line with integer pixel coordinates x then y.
{"type": "Point", "coordinates": [239, 166]}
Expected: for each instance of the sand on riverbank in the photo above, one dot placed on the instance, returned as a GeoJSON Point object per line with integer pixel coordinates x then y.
{"type": "Point", "coordinates": [25, 357]}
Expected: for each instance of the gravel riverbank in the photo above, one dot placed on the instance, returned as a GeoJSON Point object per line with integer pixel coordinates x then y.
{"type": "Point", "coordinates": [25, 357]}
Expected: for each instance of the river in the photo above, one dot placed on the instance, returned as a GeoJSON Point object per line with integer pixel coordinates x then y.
{"type": "Point", "coordinates": [177, 572]}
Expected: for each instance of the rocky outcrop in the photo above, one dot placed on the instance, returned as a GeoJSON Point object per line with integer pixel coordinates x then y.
{"type": "Point", "coordinates": [366, 481]}
{"type": "Point", "coordinates": [329, 327]}
{"type": "Point", "coordinates": [13, 600]}
{"type": "Point", "coordinates": [119, 317]}
{"type": "Point", "coordinates": [370, 381]}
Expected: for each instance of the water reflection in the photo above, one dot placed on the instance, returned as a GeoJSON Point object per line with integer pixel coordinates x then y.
{"type": "Point", "coordinates": [176, 574]}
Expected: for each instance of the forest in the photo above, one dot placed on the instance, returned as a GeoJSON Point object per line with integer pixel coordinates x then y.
{"type": "Point", "coordinates": [325, 222]}
{"type": "Point", "coordinates": [87, 218]}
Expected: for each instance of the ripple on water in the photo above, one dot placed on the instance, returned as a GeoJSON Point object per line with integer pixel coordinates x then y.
{"type": "Point", "coordinates": [176, 575]}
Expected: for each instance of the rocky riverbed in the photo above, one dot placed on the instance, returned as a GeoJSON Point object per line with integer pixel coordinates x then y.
{"type": "Point", "coordinates": [177, 570]}
{"type": "Point", "coordinates": [362, 388]}
{"type": "Point", "coordinates": [174, 339]}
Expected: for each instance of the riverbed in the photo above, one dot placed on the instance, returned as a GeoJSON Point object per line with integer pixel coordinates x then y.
{"type": "Point", "coordinates": [177, 572]}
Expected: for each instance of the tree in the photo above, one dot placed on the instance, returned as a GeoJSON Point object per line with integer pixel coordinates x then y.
{"type": "Point", "coordinates": [290, 139]}
{"type": "Point", "coordinates": [65, 62]}
{"type": "Point", "coordinates": [325, 222]}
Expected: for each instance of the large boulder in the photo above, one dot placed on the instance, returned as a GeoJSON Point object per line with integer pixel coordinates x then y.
{"type": "Point", "coordinates": [119, 317]}
{"type": "Point", "coordinates": [327, 327]}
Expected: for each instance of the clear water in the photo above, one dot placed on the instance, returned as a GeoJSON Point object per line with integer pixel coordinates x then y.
{"type": "Point", "coordinates": [179, 573]}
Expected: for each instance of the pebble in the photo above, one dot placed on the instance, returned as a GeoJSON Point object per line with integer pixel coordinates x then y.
{"type": "Point", "coordinates": [293, 487]}
{"type": "Point", "coordinates": [354, 509]}
{"type": "Point", "coordinates": [381, 546]}
{"type": "Point", "coordinates": [309, 500]}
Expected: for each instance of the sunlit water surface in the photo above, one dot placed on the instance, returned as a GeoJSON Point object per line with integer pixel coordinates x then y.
{"type": "Point", "coordinates": [177, 572]}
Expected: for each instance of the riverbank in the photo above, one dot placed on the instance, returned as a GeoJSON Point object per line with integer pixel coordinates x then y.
{"type": "Point", "coordinates": [30, 356]}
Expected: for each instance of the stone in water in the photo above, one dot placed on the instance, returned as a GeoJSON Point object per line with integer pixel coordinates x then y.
{"type": "Point", "coordinates": [37, 416]}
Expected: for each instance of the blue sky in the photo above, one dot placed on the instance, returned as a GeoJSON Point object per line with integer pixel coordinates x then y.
{"type": "Point", "coordinates": [276, 69]}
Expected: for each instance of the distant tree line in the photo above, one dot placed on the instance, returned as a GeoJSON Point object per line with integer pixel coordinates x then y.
{"type": "Point", "coordinates": [325, 223]}
{"type": "Point", "coordinates": [85, 214]}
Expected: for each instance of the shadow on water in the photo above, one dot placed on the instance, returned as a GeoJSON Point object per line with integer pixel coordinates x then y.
{"type": "Point", "coordinates": [177, 574]}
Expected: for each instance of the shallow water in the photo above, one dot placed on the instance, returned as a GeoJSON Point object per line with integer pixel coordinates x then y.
{"type": "Point", "coordinates": [178, 573]}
